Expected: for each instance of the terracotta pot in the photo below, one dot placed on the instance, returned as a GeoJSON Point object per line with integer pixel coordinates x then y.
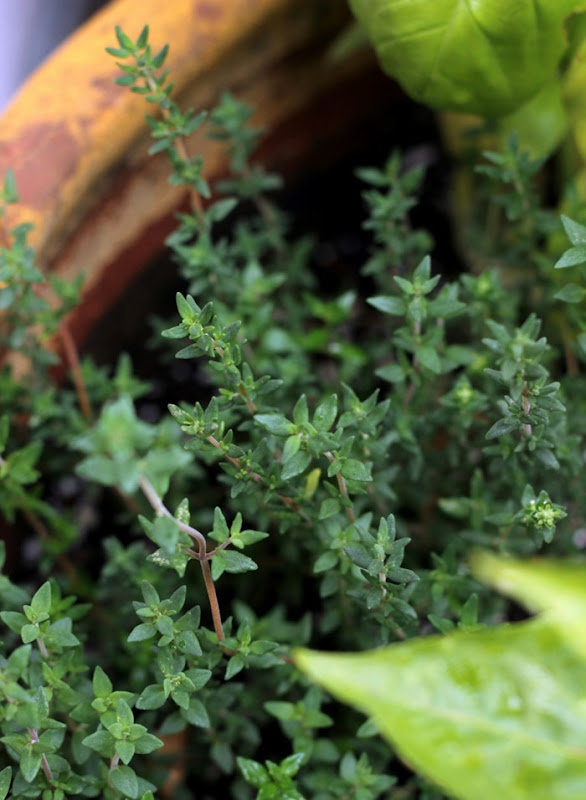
{"type": "Point", "coordinates": [78, 143]}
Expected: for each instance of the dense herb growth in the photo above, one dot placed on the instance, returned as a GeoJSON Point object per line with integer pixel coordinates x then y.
{"type": "Point", "coordinates": [341, 455]}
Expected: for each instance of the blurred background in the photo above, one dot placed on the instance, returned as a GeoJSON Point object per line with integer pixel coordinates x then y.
{"type": "Point", "coordinates": [29, 31]}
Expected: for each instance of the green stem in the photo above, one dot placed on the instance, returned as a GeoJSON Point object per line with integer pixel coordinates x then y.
{"type": "Point", "coordinates": [343, 488]}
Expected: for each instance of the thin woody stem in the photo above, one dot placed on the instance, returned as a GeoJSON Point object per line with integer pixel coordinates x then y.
{"type": "Point", "coordinates": [33, 733]}
{"type": "Point", "coordinates": [43, 648]}
{"type": "Point", "coordinates": [72, 357]}
{"type": "Point", "coordinates": [249, 404]}
{"type": "Point", "coordinates": [161, 509]}
{"type": "Point", "coordinates": [204, 557]}
{"type": "Point", "coordinates": [213, 598]}
{"type": "Point", "coordinates": [43, 533]}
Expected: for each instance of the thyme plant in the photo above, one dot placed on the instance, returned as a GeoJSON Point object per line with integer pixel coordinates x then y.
{"type": "Point", "coordinates": [340, 454]}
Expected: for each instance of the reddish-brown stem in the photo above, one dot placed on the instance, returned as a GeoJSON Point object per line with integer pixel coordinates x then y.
{"type": "Point", "coordinates": [249, 404]}
{"type": "Point", "coordinates": [32, 732]}
{"type": "Point", "coordinates": [203, 556]}
{"type": "Point", "coordinates": [128, 501]}
{"type": "Point", "coordinates": [72, 358]}
{"type": "Point", "coordinates": [213, 598]}
{"type": "Point", "coordinates": [42, 532]}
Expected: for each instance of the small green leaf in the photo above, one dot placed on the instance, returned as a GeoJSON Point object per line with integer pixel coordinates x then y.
{"type": "Point", "coordinates": [99, 469]}
{"type": "Point", "coordinates": [100, 741]}
{"type": "Point", "coordinates": [125, 750]}
{"type": "Point", "coordinates": [221, 531]}
{"type": "Point", "coordinates": [177, 560]}
{"type": "Point", "coordinates": [329, 507]}
{"type": "Point", "coordinates": [147, 743]}
{"type": "Point", "coordinates": [395, 306]}
{"type": "Point", "coordinates": [222, 208]}
{"type": "Point", "coordinates": [41, 602]}
{"type": "Point", "coordinates": [124, 779]}
{"type": "Point", "coordinates": [29, 633]}
{"type": "Point", "coordinates": [143, 38]}
{"type": "Point", "coordinates": [165, 626]}
{"type": "Point", "coordinates": [149, 593]}
{"type": "Point", "coordinates": [160, 57]}
{"type": "Point", "coordinates": [13, 619]}
{"type": "Point", "coordinates": [502, 427]}
{"type": "Point", "coordinates": [235, 665]}
{"type": "Point", "coordinates": [30, 763]}
{"type": "Point", "coordinates": [196, 714]}
{"type": "Point", "coordinates": [393, 373]}
{"type": "Point", "coordinates": [237, 562]}
{"type": "Point", "coordinates": [355, 470]}
{"type": "Point", "coordinates": [291, 448]}
{"type": "Point", "coordinates": [165, 533]}
{"type": "Point", "coordinates": [325, 562]}
{"type": "Point", "coordinates": [572, 257]}
{"type": "Point", "coordinates": [358, 556]}
{"type": "Point", "coordinates": [296, 465]}
{"type": "Point", "coordinates": [301, 411]}
{"type": "Point", "coordinates": [575, 232]}
{"type": "Point", "coordinates": [4, 431]}
{"type": "Point", "coordinates": [254, 773]}
{"type": "Point", "coordinates": [101, 683]}
{"type": "Point", "coordinates": [187, 310]}
{"type": "Point", "coordinates": [280, 709]}
{"type": "Point", "coordinates": [142, 632]}
{"type": "Point", "coordinates": [9, 189]}
{"type": "Point", "coordinates": [123, 39]}
{"type": "Point", "coordinates": [325, 414]}
{"type": "Point", "coordinates": [429, 358]}
{"type": "Point", "coordinates": [152, 697]}
{"type": "Point", "coordinates": [5, 779]}
{"type": "Point", "coordinates": [276, 424]}
{"type": "Point", "coordinates": [290, 766]}
{"type": "Point", "coordinates": [571, 293]}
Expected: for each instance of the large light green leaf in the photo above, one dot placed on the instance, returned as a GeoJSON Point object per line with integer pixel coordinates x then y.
{"type": "Point", "coordinates": [485, 57]}
{"type": "Point", "coordinates": [557, 589]}
{"type": "Point", "coordinates": [574, 87]}
{"type": "Point", "coordinates": [499, 712]}
{"type": "Point", "coordinates": [540, 125]}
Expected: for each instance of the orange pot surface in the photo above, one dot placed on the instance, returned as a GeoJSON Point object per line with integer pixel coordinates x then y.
{"type": "Point", "coordinates": [78, 143]}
